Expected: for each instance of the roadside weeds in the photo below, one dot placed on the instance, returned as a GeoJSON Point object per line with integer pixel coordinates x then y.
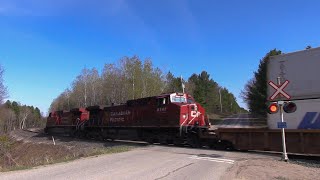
{"type": "Point", "coordinates": [19, 155]}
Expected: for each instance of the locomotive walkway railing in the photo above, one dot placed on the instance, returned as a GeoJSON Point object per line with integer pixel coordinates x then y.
{"type": "Point", "coordinates": [181, 126]}
{"type": "Point", "coordinates": [79, 124]}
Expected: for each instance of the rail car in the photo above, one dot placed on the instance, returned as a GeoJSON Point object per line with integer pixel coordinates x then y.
{"type": "Point", "coordinates": [168, 118]}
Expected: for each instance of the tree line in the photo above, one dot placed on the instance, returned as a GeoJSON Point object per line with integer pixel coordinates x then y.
{"type": "Point", "coordinates": [132, 78]}
{"type": "Point", "coordinates": [17, 116]}
{"type": "Point", "coordinates": [129, 78]}
{"type": "Point", "coordinates": [14, 115]}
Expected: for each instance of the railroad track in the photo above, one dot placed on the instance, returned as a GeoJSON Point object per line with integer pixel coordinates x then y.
{"type": "Point", "coordinates": [35, 130]}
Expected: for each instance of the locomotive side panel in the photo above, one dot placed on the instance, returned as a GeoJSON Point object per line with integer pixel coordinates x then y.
{"type": "Point", "coordinates": [167, 114]}
{"type": "Point", "coordinates": [83, 114]}
{"type": "Point", "coordinates": [51, 120]}
{"type": "Point", "coordinates": [143, 112]}
{"type": "Point", "coordinates": [54, 118]}
{"type": "Point", "coordinates": [67, 119]}
{"type": "Point", "coordinates": [117, 116]}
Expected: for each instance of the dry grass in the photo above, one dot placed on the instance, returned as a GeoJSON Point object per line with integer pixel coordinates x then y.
{"type": "Point", "coordinates": [265, 169]}
{"type": "Point", "coordinates": [22, 155]}
{"type": "Point", "coordinates": [215, 118]}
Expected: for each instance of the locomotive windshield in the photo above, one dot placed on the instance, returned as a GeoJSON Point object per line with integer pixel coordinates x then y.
{"type": "Point", "coordinates": [178, 98]}
{"type": "Point", "coordinates": [190, 101]}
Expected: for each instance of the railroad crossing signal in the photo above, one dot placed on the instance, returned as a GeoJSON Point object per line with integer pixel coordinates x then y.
{"type": "Point", "coordinates": [279, 90]}
{"type": "Point", "coordinates": [288, 107]}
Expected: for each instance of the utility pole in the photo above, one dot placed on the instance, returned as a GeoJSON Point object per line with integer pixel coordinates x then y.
{"type": "Point", "coordinates": [85, 91]}
{"type": "Point", "coordinates": [182, 85]}
{"type": "Point", "coordinates": [133, 85]}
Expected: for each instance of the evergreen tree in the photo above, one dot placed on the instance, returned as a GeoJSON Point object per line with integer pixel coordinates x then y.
{"type": "Point", "coordinates": [206, 92]}
{"type": "Point", "coordinates": [37, 113]}
{"type": "Point", "coordinates": [255, 91]}
{"type": "Point", "coordinates": [8, 104]}
{"type": "Point", "coordinates": [173, 84]}
{"type": "Point", "coordinates": [15, 108]}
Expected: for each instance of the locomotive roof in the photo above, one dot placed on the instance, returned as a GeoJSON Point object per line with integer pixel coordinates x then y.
{"type": "Point", "coordinates": [131, 101]}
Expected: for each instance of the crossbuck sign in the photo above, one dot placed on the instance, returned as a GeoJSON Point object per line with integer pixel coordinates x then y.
{"type": "Point", "coordinates": [279, 90]}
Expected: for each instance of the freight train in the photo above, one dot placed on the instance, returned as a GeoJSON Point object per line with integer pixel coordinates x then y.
{"type": "Point", "coordinates": [176, 118]}
{"type": "Point", "coordinates": [173, 118]}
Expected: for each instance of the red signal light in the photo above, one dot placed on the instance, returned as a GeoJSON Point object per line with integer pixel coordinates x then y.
{"type": "Point", "coordinates": [273, 108]}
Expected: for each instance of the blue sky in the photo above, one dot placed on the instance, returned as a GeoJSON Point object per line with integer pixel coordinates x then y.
{"type": "Point", "coordinates": [44, 44]}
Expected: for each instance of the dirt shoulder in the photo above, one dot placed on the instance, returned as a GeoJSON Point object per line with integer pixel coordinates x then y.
{"type": "Point", "coordinates": [265, 169]}
{"type": "Point", "coordinates": [25, 149]}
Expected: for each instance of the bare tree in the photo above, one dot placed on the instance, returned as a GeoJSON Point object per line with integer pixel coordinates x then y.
{"type": "Point", "coordinates": [67, 94]}
{"type": "Point", "coordinates": [23, 116]}
{"type": "Point", "coordinates": [127, 79]}
{"type": "Point", "coordinates": [94, 86]}
{"type": "Point", "coordinates": [7, 119]}
{"type": "Point", "coordinates": [3, 88]}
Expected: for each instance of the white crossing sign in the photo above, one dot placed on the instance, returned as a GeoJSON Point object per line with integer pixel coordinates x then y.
{"type": "Point", "coordinates": [279, 90]}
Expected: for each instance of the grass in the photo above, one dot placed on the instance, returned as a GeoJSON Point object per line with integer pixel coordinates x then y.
{"type": "Point", "coordinates": [215, 121]}
{"type": "Point", "coordinates": [110, 150]}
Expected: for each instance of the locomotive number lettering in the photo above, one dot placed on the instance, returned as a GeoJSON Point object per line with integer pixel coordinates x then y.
{"type": "Point", "coordinates": [162, 109]}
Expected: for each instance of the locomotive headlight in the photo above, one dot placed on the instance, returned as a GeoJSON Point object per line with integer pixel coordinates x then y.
{"type": "Point", "coordinates": [184, 116]}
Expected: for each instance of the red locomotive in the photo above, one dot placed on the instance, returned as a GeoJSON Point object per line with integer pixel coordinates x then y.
{"type": "Point", "coordinates": [169, 118]}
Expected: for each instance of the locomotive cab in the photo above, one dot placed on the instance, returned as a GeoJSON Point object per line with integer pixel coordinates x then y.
{"type": "Point", "coordinates": [190, 112]}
